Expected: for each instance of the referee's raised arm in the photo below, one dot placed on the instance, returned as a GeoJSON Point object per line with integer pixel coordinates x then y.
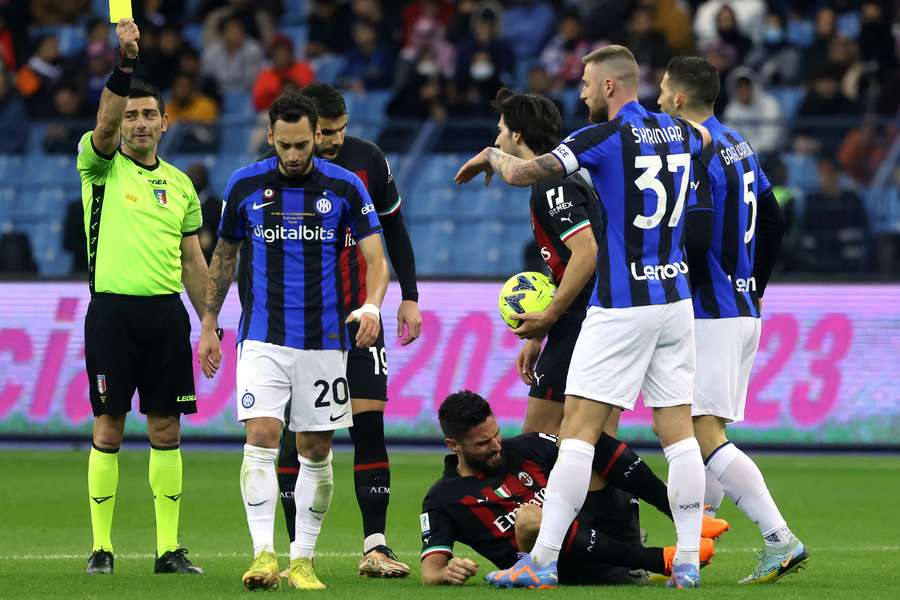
{"type": "Point", "coordinates": [106, 134]}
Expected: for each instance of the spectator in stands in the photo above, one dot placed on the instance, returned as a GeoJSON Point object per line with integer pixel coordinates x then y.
{"type": "Point", "coordinates": [484, 63]}
{"type": "Point", "coordinates": [603, 19]}
{"type": "Point", "coordinates": [748, 15]}
{"type": "Point", "coordinates": [370, 63]}
{"type": "Point", "coordinates": [390, 31]}
{"type": "Point", "coordinates": [562, 54]}
{"type": "Point", "coordinates": [327, 28]}
{"type": "Point", "coordinates": [54, 12]}
{"type": "Point", "coordinates": [73, 119]}
{"type": "Point", "coordinates": [284, 66]}
{"type": "Point", "coordinates": [865, 147]}
{"type": "Point", "coordinates": [825, 29]}
{"type": "Point", "coordinates": [7, 46]}
{"type": "Point", "coordinates": [727, 32]}
{"type": "Point", "coordinates": [776, 60]}
{"type": "Point", "coordinates": [539, 83]}
{"type": "Point", "coordinates": [421, 89]}
{"type": "Point", "coordinates": [16, 254]}
{"type": "Point", "coordinates": [835, 226]}
{"type": "Point", "coordinates": [211, 207]}
{"type": "Point", "coordinates": [195, 113]}
{"type": "Point", "coordinates": [823, 100]}
{"type": "Point", "coordinates": [37, 79]}
{"type": "Point", "coordinates": [673, 19]}
{"type": "Point", "coordinates": [875, 30]}
{"type": "Point", "coordinates": [753, 112]}
{"type": "Point", "coordinates": [13, 116]}
{"type": "Point", "coordinates": [258, 17]}
{"type": "Point", "coordinates": [190, 63]}
{"type": "Point", "coordinates": [789, 199]}
{"type": "Point", "coordinates": [438, 10]}
{"type": "Point", "coordinates": [843, 54]}
{"type": "Point", "coordinates": [650, 50]}
{"type": "Point", "coordinates": [99, 59]}
{"type": "Point", "coordinates": [159, 13]}
{"type": "Point", "coordinates": [723, 58]}
{"type": "Point", "coordinates": [234, 59]}
{"type": "Point", "coordinates": [461, 23]}
{"type": "Point", "coordinates": [159, 63]}
{"type": "Point", "coordinates": [526, 26]}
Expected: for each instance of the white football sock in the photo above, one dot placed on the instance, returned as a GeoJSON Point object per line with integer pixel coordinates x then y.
{"type": "Point", "coordinates": [312, 496]}
{"type": "Point", "coordinates": [686, 484]}
{"type": "Point", "coordinates": [371, 541]}
{"type": "Point", "coordinates": [259, 489]}
{"type": "Point", "coordinates": [744, 484]}
{"type": "Point", "coordinates": [712, 498]}
{"type": "Point", "coordinates": [566, 490]}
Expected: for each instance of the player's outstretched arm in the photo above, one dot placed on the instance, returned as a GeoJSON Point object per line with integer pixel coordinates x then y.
{"type": "Point", "coordinates": [220, 275]}
{"type": "Point", "coordinates": [376, 286]}
{"type": "Point", "coordinates": [438, 569]}
{"type": "Point", "coordinates": [514, 171]}
{"type": "Point", "coordinates": [115, 95]}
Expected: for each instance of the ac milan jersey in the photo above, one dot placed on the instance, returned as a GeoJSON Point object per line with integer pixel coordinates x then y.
{"type": "Point", "coordinates": [480, 511]}
{"type": "Point", "coordinates": [560, 209]}
{"type": "Point", "coordinates": [640, 163]}
{"type": "Point", "coordinates": [736, 181]}
{"type": "Point", "coordinates": [293, 286]}
{"type": "Point", "coordinates": [368, 162]}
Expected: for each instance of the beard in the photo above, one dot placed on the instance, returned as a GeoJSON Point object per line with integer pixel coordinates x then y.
{"type": "Point", "coordinates": [600, 115]}
{"type": "Point", "coordinates": [489, 465]}
{"type": "Point", "coordinates": [304, 168]}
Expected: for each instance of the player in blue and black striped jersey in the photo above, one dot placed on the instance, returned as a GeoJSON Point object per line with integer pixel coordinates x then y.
{"type": "Point", "coordinates": [638, 334]}
{"type": "Point", "coordinates": [729, 280]}
{"type": "Point", "coordinates": [294, 209]}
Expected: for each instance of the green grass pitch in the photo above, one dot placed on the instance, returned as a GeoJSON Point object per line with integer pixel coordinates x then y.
{"type": "Point", "coordinates": [844, 508]}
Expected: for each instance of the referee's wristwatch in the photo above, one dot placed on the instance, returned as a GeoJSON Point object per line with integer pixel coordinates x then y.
{"type": "Point", "coordinates": [220, 333]}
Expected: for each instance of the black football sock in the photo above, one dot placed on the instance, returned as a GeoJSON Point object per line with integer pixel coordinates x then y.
{"type": "Point", "coordinates": [371, 475]}
{"type": "Point", "coordinates": [585, 543]}
{"type": "Point", "coordinates": [288, 468]}
{"type": "Point", "coordinates": [618, 464]}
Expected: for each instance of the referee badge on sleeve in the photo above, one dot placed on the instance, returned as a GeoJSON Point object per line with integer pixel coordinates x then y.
{"type": "Point", "coordinates": [161, 197]}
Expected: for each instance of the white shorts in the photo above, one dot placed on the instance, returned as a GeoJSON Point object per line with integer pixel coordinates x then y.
{"type": "Point", "coordinates": [725, 352]}
{"type": "Point", "coordinates": [622, 351]}
{"type": "Point", "coordinates": [315, 381]}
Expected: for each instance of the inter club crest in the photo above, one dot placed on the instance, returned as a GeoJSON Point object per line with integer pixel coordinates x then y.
{"type": "Point", "coordinates": [161, 197]}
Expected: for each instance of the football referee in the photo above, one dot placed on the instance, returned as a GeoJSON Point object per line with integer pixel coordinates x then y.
{"type": "Point", "coordinates": [141, 217]}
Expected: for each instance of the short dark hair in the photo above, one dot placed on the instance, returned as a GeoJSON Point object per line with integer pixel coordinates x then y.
{"type": "Point", "coordinates": [291, 107]}
{"type": "Point", "coordinates": [535, 117]}
{"type": "Point", "coordinates": [696, 77]}
{"type": "Point", "coordinates": [462, 411]}
{"type": "Point", "coordinates": [142, 89]}
{"type": "Point", "coordinates": [328, 100]}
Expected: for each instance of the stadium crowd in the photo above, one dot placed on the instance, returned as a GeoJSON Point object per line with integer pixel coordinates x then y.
{"type": "Point", "coordinates": [812, 83]}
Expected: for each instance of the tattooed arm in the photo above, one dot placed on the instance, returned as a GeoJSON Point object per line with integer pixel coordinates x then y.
{"type": "Point", "coordinates": [221, 274]}
{"type": "Point", "coordinates": [514, 171]}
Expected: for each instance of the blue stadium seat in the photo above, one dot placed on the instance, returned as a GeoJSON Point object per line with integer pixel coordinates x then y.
{"type": "Point", "coordinates": [434, 242]}
{"type": "Point", "coordinates": [368, 106]}
{"type": "Point", "coordinates": [36, 134]}
{"type": "Point", "coordinates": [430, 203]}
{"type": "Point", "coordinates": [46, 243]}
{"type": "Point", "coordinates": [10, 167]}
{"type": "Point", "coordinates": [42, 169]}
{"type": "Point", "coordinates": [789, 98]}
{"type": "Point", "coordinates": [223, 167]}
{"type": "Point", "coordinates": [41, 203]}
{"type": "Point", "coordinates": [237, 104]}
{"type": "Point", "coordinates": [297, 34]}
{"type": "Point", "coordinates": [328, 67]}
{"type": "Point", "coordinates": [802, 172]}
{"type": "Point", "coordinates": [193, 34]}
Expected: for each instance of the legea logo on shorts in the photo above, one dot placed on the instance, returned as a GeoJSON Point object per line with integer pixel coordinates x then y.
{"type": "Point", "coordinates": [653, 272]}
{"type": "Point", "coordinates": [315, 233]}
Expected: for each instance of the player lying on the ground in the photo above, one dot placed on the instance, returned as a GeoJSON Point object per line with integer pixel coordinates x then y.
{"type": "Point", "coordinates": [728, 284]}
{"type": "Point", "coordinates": [492, 491]}
{"type": "Point", "coordinates": [366, 367]}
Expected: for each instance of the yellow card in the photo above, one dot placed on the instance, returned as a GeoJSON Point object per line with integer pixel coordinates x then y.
{"type": "Point", "coordinates": [119, 9]}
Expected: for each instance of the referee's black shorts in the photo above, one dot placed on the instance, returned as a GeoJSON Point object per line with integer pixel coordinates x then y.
{"type": "Point", "coordinates": [139, 343]}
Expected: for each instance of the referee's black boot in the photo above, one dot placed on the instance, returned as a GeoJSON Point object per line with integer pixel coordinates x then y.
{"type": "Point", "coordinates": [176, 561]}
{"type": "Point", "coordinates": [100, 563]}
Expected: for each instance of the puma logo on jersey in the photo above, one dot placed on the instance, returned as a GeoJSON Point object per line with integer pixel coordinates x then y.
{"type": "Point", "coordinates": [568, 218]}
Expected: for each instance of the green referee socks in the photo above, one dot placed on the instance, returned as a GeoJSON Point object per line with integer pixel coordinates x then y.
{"type": "Point", "coordinates": [165, 481]}
{"type": "Point", "coordinates": [103, 478]}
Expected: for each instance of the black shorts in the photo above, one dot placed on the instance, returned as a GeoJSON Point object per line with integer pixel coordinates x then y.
{"type": "Point", "coordinates": [552, 366]}
{"type": "Point", "coordinates": [367, 367]}
{"type": "Point", "coordinates": [142, 343]}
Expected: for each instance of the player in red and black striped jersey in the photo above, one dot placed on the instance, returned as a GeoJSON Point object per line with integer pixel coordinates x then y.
{"type": "Point", "coordinates": [366, 367]}
{"type": "Point", "coordinates": [567, 221]}
{"type": "Point", "coordinates": [492, 490]}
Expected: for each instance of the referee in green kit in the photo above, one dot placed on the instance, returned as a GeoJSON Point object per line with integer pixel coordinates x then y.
{"type": "Point", "coordinates": [141, 217]}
